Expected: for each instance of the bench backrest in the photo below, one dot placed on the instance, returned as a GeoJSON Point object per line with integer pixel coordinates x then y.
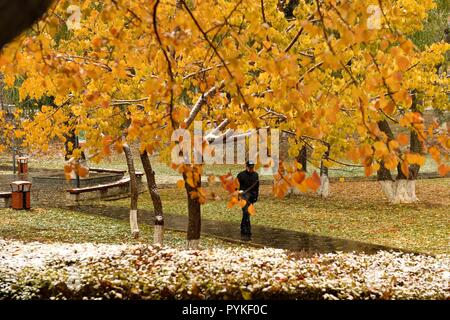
{"type": "Point", "coordinates": [119, 183]}
{"type": "Point", "coordinates": [5, 194]}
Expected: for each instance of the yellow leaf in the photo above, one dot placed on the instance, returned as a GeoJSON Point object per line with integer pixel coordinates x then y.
{"type": "Point", "coordinates": [180, 184]}
{"type": "Point", "coordinates": [119, 146]}
{"type": "Point", "coordinates": [393, 145]}
{"type": "Point", "coordinates": [251, 210]}
{"type": "Point", "coordinates": [298, 177]}
{"type": "Point", "coordinates": [405, 168]}
{"type": "Point", "coordinates": [443, 170]}
{"type": "Point", "coordinates": [434, 151]}
{"type": "Point", "coordinates": [389, 108]}
{"type": "Point", "coordinates": [313, 182]}
{"type": "Point", "coordinates": [83, 172]}
{"type": "Point", "coordinates": [97, 42]}
{"type": "Point", "coordinates": [365, 150]}
{"type": "Point", "coordinates": [267, 44]}
{"type": "Point", "coordinates": [232, 202]}
{"type": "Point", "coordinates": [190, 182]}
{"type": "Point", "coordinates": [376, 166]}
{"type": "Point", "coordinates": [414, 158]}
{"type": "Point", "coordinates": [390, 161]}
{"type": "Point", "coordinates": [403, 139]}
{"type": "Point", "coordinates": [380, 149]}
{"type": "Point", "coordinates": [407, 46]}
{"type": "Point", "coordinates": [303, 187]}
{"type": "Point", "coordinates": [368, 170]}
{"type": "Point", "coordinates": [332, 61]}
{"type": "Point", "coordinates": [403, 63]}
{"type": "Point", "coordinates": [68, 168]}
{"type": "Point", "coordinates": [246, 295]}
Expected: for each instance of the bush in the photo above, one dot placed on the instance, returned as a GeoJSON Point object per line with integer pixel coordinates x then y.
{"type": "Point", "coordinates": [87, 271]}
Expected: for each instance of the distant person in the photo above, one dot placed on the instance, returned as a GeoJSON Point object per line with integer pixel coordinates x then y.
{"type": "Point", "coordinates": [249, 189]}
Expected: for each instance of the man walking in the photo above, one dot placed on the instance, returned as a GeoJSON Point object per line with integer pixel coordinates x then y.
{"type": "Point", "coordinates": [249, 189]}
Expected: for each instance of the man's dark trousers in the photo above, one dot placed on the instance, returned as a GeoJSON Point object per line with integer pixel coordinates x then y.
{"type": "Point", "coordinates": [246, 228]}
{"type": "Point", "coordinates": [249, 187]}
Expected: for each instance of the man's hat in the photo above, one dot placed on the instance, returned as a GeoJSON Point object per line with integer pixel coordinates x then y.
{"type": "Point", "coordinates": [250, 163]}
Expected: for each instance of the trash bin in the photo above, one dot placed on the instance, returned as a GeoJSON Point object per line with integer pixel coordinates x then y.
{"type": "Point", "coordinates": [22, 164]}
{"type": "Point", "coordinates": [20, 195]}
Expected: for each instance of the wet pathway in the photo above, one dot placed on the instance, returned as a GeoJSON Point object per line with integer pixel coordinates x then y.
{"type": "Point", "coordinates": [262, 236]}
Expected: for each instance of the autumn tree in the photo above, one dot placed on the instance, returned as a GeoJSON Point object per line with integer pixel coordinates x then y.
{"type": "Point", "coordinates": [333, 72]}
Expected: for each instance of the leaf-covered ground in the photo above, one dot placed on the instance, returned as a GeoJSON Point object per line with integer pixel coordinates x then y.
{"type": "Point", "coordinates": [87, 271]}
{"type": "Point", "coordinates": [58, 225]}
{"type": "Point", "coordinates": [355, 211]}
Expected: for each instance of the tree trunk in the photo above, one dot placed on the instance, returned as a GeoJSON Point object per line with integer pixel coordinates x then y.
{"type": "Point", "coordinates": [156, 199]}
{"type": "Point", "coordinates": [133, 190]}
{"type": "Point", "coordinates": [386, 181]}
{"type": "Point", "coordinates": [194, 210]}
{"type": "Point", "coordinates": [16, 16]}
{"type": "Point", "coordinates": [72, 138]}
{"type": "Point", "coordinates": [415, 147]}
{"type": "Point", "coordinates": [401, 194]}
{"type": "Point", "coordinates": [301, 158]}
{"type": "Point", "coordinates": [324, 189]}
{"type": "Point", "coordinates": [406, 185]}
{"type": "Point", "coordinates": [384, 176]}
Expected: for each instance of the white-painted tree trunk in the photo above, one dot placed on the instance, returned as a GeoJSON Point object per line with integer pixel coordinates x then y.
{"type": "Point", "coordinates": [411, 189]}
{"type": "Point", "coordinates": [401, 192]}
{"type": "Point", "coordinates": [294, 190]}
{"type": "Point", "coordinates": [158, 235]}
{"type": "Point", "coordinates": [134, 224]}
{"type": "Point", "coordinates": [193, 244]}
{"type": "Point", "coordinates": [388, 188]}
{"type": "Point", "coordinates": [324, 189]}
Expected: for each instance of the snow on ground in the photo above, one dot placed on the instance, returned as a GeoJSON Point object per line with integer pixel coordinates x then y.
{"type": "Point", "coordinates": [16, 255]}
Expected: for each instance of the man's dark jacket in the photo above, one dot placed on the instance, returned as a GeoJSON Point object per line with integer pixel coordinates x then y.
{"type": "Point", "coordinates": [249, 183]}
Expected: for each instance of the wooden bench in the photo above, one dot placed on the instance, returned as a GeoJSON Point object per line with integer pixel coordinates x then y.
{"type": "Point", "coordinates": [100, 170]}
{"type": "Point", "coordinates": [5, 199]}
{"type": "Point", "coordinates": [104, 190]}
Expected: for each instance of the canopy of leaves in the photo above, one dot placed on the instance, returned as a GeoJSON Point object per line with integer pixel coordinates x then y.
{"type": "Point", "coordinates": [138, 70]}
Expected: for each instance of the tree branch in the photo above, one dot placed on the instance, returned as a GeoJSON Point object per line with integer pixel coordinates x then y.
{"type": "Point", "coordinates": [262, 12]}
{"type": "Point", "coordinates": [200, 102]}
{"type": "Point", "coordinates": [169, 64]}
{"type": "Point", "coordinates": [205, 36]}
{"type": "Point", "coordinates": [16, 16]}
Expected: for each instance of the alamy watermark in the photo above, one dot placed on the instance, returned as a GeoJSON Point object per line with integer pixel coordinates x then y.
{"type": "Point", "coordinates": [374, 20]}
{"type": "Point", "coordinates": [231, 147]}
{"type": "Point", "coordinates": [74, 21]}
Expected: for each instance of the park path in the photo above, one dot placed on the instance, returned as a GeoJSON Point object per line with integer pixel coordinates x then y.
{"type": "Point", "coordinates": [262, 236]}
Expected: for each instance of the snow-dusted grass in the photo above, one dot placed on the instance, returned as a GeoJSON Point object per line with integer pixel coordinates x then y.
{"type": "Point", "coordinates": [63, 225]}
{"type": "Point", "coordinates": [102, 271]}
